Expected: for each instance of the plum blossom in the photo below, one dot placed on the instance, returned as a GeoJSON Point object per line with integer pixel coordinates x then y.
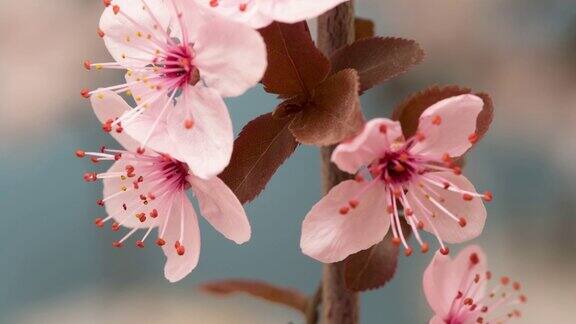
{"type": "Point", "coordinates": [179, 64]}
{"type": "Point", "coordinates": [260, 13]}
{"type": "Point", "coordinates": [416, 174]}
{"type": "Point", "coordinates": [457, 290]}
{"type": "Point", "coordinates": [147, 191]}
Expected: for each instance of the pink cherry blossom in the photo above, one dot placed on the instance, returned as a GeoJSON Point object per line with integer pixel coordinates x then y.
{"type": "Point", "coordinates": [393, 173]}
{"type": "Point", "coordinates": [456, 290]}
{"type": "Point", "coordinates": [260, 13]}
{"type": "Point", "coordinates": [147, 191]}
{"type": "Point", "coordinates": [179, 64]}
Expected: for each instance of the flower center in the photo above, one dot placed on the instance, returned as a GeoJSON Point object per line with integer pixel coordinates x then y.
{"type": "Point", "coordinates": [396, 167]}
{"type": "Point", "coordinates": [179, 65]}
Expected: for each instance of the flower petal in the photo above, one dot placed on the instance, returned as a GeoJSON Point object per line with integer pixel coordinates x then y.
{"type": "Point", "coordinates": [329, 236]}
{"type": "Point", "coordinates": [231, 56]}
{"type": "Point", "coordinates": [107, 106]}
{"type": "Point", "coordinates": [207, 146]}
{"type": "Point", "coordinates": [449, 229]}
{"type": "Point", "coordinates": [127, 39]}
{"type": "Point", "coordinates": [182, 218]}
{"type": "Point", "coordinates": [370, 144]}
{"type": "Point", "coordinates": [291, 11]}
{"type": "Point", "coordinates": [240, 11]}
{"type": "Point", "coordinates": [122, 199]}
{"type": "Point", "coordinates": [447, 126]}
{"type": "Point", "coordinates": [437, 320]}
{"type": "Point", "coordinates": [444, 277]}
{"type": "Point", "coordinates": [221, 208]}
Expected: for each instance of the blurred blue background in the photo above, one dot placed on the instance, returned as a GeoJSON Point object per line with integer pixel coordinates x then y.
{"type": "Point", "coordinates": [56, 267]}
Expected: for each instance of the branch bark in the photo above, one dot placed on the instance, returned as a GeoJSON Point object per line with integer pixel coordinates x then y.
{"type": "Point", "coordinates": [339, 305]}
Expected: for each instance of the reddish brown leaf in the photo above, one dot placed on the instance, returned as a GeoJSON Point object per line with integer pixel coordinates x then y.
{"type": "Point", "coordinates": [262, 146]}
{"type": "Point", "coordinates": [408, 112]}
{"type": "Point", "coordinates": [378, 59]}
{"type": "Point", "coordinates": [259, 289]}
{"type": "Point", "coordinates": [333, 113]}
{"type": "Point", "coordinates": [364, 28]}
{"type": "Point", "coordinates": [295, 65]}
{"type": "Point", "coordinates": [372, 268]}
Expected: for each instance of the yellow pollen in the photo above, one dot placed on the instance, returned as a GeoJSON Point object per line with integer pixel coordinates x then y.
{"type": "Point", "coordinates": [127, 39]}
{"type": "Point", "coordinates": [128, 92]}
{"type": "Point", "coordinates": [100, 96]}
{"type": "Point", "coordinates": [123, 177]}
{"type": "Point", "coordinates": [139, 34]}
{"type": "Point", "coordinates": [98, 67]}
{"type": "Point", "coordinates": [138, 98]}
{"type": "Point", "coordinates": [123, 188]}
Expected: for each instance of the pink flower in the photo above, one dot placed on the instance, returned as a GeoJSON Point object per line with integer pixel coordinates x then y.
{"type": "Point", "coordinates": [456, 290]}
{"type": "Point", "coordinates": [260, 13]}
{"type": "Point", "coordinates": [173, 53]}
{"type": "Point", "coordinates": [415, 174]}
{"type": "Point", "coordinates": [147, 191]}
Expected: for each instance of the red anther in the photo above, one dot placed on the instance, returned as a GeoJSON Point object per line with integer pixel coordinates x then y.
{"type": "Point", "coordinates": [160, 242]}
{"type": "Point", "coordinates": [142, 197]}
{"type": "Point", "coordinates": [459, 295]}
{"type": "Point", "coordinates": [344, 210]}
{"type": "Point", "coordinates": [409, 212]}
{"type": "Point", "coordinates": [140, 244]}
{"type": "Point", "coordinates": [107, 2]}
{"type": "Point", "coordinates": [484, 309]}
{"type": "Point", "coordinates": [467, 197]}
{"type": "Point", "coordinates": [504, 281]}
{"type": "Point", "coordinates": [516, 285]}
{"type": "Point", "coordinates": [397, 193]}
{"type": "Point", "coordinates": [136, 185]}
{"type": "Point", "coordinates": [154, 213]}
{"type": "Point", "coordinates": [488, 275]}
{"type": "Point", "coordinates": [474, 259]}
{"type": "Point", "coordinates": [480, 320]}
{"type": "Point", "coordinates": [390, 209]}
{"type": "Point", "coordinates": [180, 250]}
{"type": "Point", "coordinates": [473, 138]}
{"type": "Point", "coordinates": [119, 129]}
{"type": "Point", "coordinates": [116, 9]}
{"type": "Point", "coordinates": [140, 150]}
{"type": "Point", "coordinates": [468, 301]}
{"type": "Point", "coordinates": [88, 65]}
{"type": "Point", "coordinates": [353, 203]}
{"type": "Point", "coordinates": [115, 227]}
{"type": "Point", "coordinates": [80, 153]}
{"type": "Point", "coordinates": [141, 217]}
{"type": "Point", "coordinates": [103, 147]}
{"type": "Point", "coordinates": [188, 123]}
{"type": "Point", "coordinates": [408, 251]}
{"type": "Point", "coordinates": [213, 3]}
{"type": "Point", "coordinates": [420, 225]}
{"type": "Point", "coordinates": [99, 222]}
{"type": "Point", "coordinates": [383, 129]}
{"type": "Point", "coordinates": [523, 298]}
{"type": "Point", "coordinates": [488, 196]}
{"type": "Point", "coordinates": [242, 7]}
{"type": "Point", "coordinates": [359, 178]}
{"type": "Point", "coordinates": [457, 170]}
{"type": "Point", "coordinates": [117, 156]}
{"type": "Point", "coordinates": [124, 207]}
{"type": "Point", "coordinates": [100, 32]}
{"type": "Point", "coordinates": [151, 196]}
{"type": "Point", "coordinates": [477, 278]}
{"type": "Point", "coordinates": [176, 244]}
{"type": "Point", "coordinates": [445, 250]}
{"type": "Point", "coordinates": [446, 185]}
{"type": "Point", "coordinates": [396, 241]}
{"type": "Point", "coordinates": [420, 136]}
{"type": "Point", "coordinates": [473, 307]}
{"type": "Point", "coordinates": [425, 247]}
{"type": "Point", "coordinates": [94, 160]}
{"type": "Point", "coordinates": [107, 127]}
{"type": "Point", "coordinates": [100, 202]}
{"type": "Point", "coordinates": [85, 93]}
{"type": "Point", "coordinates": [462, 222]}
{"type": "Point", "coordinates": [117, 244]}
{"type": "Point", "coordinates": [90, 176]}
{"type": "Point", "coordinates": [129, 168]}
{"type": "Point", "coordinates": [437, 120]}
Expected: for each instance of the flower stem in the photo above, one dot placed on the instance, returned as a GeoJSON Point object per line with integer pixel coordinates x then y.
{"type": "Point", "coordinates": [339, 305]}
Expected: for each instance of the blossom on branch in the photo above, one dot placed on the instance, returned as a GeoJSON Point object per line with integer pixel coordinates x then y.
{"type": "Point", "coordinates": [147, 191]}
{"type": "Point", "coordinates": [457, 290]}
{"type": "Point", "coordinates": [179, 64]}
{"type": "Point", "coordinates": [415, 176]}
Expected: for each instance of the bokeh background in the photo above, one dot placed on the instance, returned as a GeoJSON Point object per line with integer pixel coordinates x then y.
{"type": "Point", "coordinates": [56, 267]}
